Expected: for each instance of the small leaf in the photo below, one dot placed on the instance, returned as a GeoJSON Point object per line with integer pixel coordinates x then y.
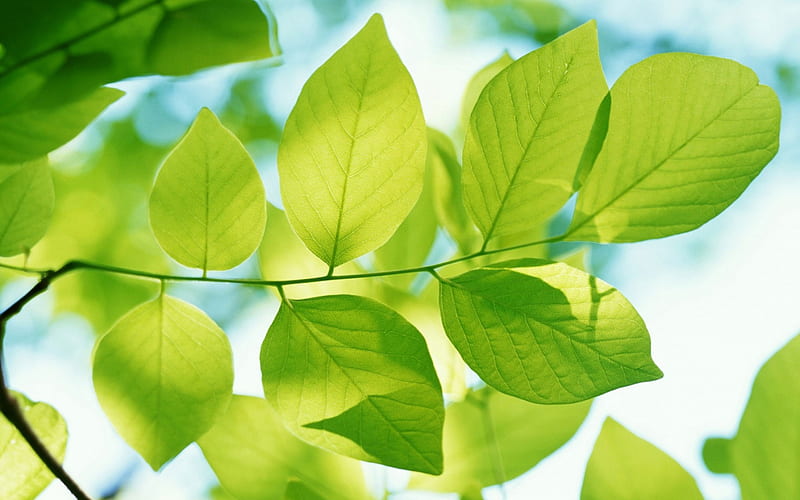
{"type": "Point", "coordinates": [26, 205]}
{"type": "Point", "coordinates": [352, 156]}
{"type": "Point", "coordinates": [527, 134]}
{"type": "Point", "coordinates": [686, 135]}
{"type": "Point", "coordinates": [22, 474]}
{"type": "Point", "coordinates": [208, 207]}
{"type": "Point", "coordinates": [352, 376]}
{"type": "Point", "coordinates": [255, 457]}
{"type": "Point", "coordinates": [29, 134]}
{"type": "Point", "coordinates": [163, 374]}
{"type": "Point", "coordinates": [209, 33]}
{"type": "Point", "coordinates": [478, 82]}
{"type": "Point", "coordinates": [765, 454]}
{"type": "Point", "coordinates": [625, 467]}
{"type": "Point", "coordinates": [546, 332]}
{"type": "Point", "coordinates": [522, 434]}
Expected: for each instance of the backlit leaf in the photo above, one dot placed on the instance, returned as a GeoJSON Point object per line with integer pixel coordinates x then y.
{"type": "Point", "coordinates": [545, 332]}
{"type": "Point", "coordinates": [624, 466]}
{"type": "Point", "coordinates": [163, 374]}
{"type": "Point", "coordinates": [208, 207]}
{"type": "Point", "coordinates": [22, 474]}
{"type": "Point", "coordinates": [522, 434]}
{"type": "Point", "coordinates": [352, 376]}
{"type": "Point", "coordinates": [26, 205]}
{"type": "Point", "coordinates": [352, 156]}
{"type": "Point", "coordinates": [686, 135]}
{"type": "Point", "coordinates": [527, 134]}
{"type": "Point", "coordinates": [255, 457]}
{"type": "Point", "coordinates": [478, 82]}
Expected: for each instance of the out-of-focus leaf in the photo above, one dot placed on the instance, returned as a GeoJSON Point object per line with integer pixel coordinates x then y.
{"type": "Point", "coordinates": [491, 438]}
{"type": "Point", "coordinates": [26, 205]}
{"type": "Point", "coordinates": [478, 82]}
{"type": "Point", "coordinates": [22, 474]}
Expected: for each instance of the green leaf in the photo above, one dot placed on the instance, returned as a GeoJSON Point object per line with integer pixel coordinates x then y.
{"type": "Point", "coordinates": [255, 457]}
{"type": "Point", "coordinates": [208, 207]}
{"type": "Point", "coordinates": [491, 438]}
{"type": "Point", "coordinates": [527, 134]}
{"type": "Point", "coordinates": [686, 135]}
{"type": "Point", "coordinates": [163, 374]}
{"type": "Point", "coordinates": [29, 134]}
{"type": "Point", "coordinates": [22, 474]}
{"type": "Point", "coordinates": [210, 33]}
{"type": "Point", "coordinates": [478, 82]}
{"type": "Point", "coordinates": [765, 454]}
{"type": "Point", "coordinates": [545, 332]}
{"type": "Point", "coordinates": [352, 376]}
{"type": "Point", "coordinates": [625, 467]}
{"type": "Point", "coordinates": [352, 156]}
{"type": "Point", "coordinates": [26, 205]}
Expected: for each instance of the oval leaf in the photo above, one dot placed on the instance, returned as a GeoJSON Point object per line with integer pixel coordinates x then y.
{"type": "Point", "coordinates": [686, 135]}
{"type": "Point", "coordinates": [255, 457]}
{"type": "Point", "coordinates": [352, 156]}
{"type": "Point", "coordinates": [478, 82]}
{"type": "Point", "coordinates": [22, 474]}
{"type": "Point", "coordinates": [522, 434]}
{"type": "Point", "coordinates": [352, 376]}
{"type": "Point", "coordinates": [163, 374]}
{"type": "Point", "coordinates": [624, 466]}
{"type": "Point", "coordinates": [546, 332]}
{"type": "Point", "coordinates": [527, 134]}
{"type": "Point", "coordinates": [26, 205]}
{"type": "Point", "coordinates": [208, 207]}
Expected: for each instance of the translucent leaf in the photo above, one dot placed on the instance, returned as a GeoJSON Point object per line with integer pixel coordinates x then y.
{"type": "Point", "coordinates": [491, 438]}
{"type": "Point", "coordinates": [765, 454]}
{"type": "Point", "coordinates": [686, 135]}
{"type": "Point", "coordinates": [22, 474]}
{"type": "Point", "coordinates": [163, 374]}
{"type": "Point", "coordinates": [352, 156]}
{"type": "Point", "coordinates": [29, 134]}
{"type": "Point", "coordinates": [255, 457]}
{"type": "Point", "coordinates": [546, 332]}
{"type": "Point", "coordinates": [352, 376]}
{"type": "Point", "coordinates": [478, 82]}
{"type": "Point", "coordinates": [625, 467]}
{"type": "Point", "coordinates": [208, 207]}
{"type": "Point", "coordinates": [26, 205]}
{"type": "Point", "coordinates": [527, 134]}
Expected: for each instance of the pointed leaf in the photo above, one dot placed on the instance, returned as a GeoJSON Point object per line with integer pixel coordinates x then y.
{"type": "Point", "coordinates": [624, 466]}
{"type": "Point", "coordinates": [352, 156]}
{"type": "Point", "coordinates": [352, 376]}
{"type": "Point", "coordinates": [686, 135]}
{"type": "Point", "coordinates": [22, 474]}
{"type": "Point", "coordinates": [527, 134]}
{"type": "Point", "coordinates": [163, 374]}
{"type": "Point", "coordinates": [522, 434]}
{"type": "Point", "coordinates": [208, 207]}
{"type": "Point", "coordinates": [26, 205]}
{"type": "Point", "coordinates": [255, 457]}
{"type": "Point", "coordinates": [478, 82]}
{"type": "Point", "coordinates": [546, 332]}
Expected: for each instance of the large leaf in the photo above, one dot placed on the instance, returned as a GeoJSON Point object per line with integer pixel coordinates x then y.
{"type": "Point", "coordinates": [545, 332]}
{"type": "Point", "coordinates": [765, 454]}
{"type": "Point", "coordinates": [624, 466]}
{"type": "Point", "coordinates": [491, 438]}
{"type": "Point", "coordinates": [352, 376]}
{"type": "Point", "coordinates": [527, 134]}
{"type": "Point", "coordinates": [29, 134]}
{"type": "Point", "coordinates": [686, 135]}
{"type": "Point", "coordinates": [208, 207]}
{"type": "Point", "coordinates": [26, 205]}
{"type": "Point", "coordinates": [22, 474]}
{"type": "Point", "coordinates": [255, 457]}
{"type": "Point", "coordinates": [352, 156]}
{"type": "Point", "coordinates": [163, 374]}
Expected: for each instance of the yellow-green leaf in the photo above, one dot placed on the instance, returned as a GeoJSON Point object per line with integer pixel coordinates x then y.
{"type": "Point", "coordinates": [26, 205]}
{"type": "Point", "coordinates": [208, 207]}
{"type": "Point", "coordinates": [478, 82]}
{"type": "Point", "coordinates": [352, 156]}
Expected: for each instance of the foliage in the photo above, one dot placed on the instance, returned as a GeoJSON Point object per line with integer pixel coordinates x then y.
{"type": "Point", "coordinates": [371, 339]}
